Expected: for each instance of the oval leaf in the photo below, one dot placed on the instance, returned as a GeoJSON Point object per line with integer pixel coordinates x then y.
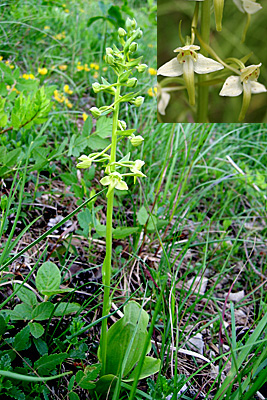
{"type": "Point", "coordinates": [48, 277]}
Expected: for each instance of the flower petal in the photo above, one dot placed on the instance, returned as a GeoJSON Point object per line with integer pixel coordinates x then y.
{"type": "Point", "coordinates": [188, 69]}
{"type": "Point", "coordinates": [163, 101]}
{"type": "Point", "coordinates": [239, 5]}
{"type": "Point", "coordinates": [232, 87]}
{"type": "Point", "coordinates": [257, 87]}
{"type": "Point", "coordinates": [204, 65]}
{"type": "Point", "coordinates": [105, 181]}
{"type": "Point", "coordinates": [171, 68]}
{"type": "Point", "coordinates": [121, 185]}
{"type": "Point", "coordinates": [251, 7]}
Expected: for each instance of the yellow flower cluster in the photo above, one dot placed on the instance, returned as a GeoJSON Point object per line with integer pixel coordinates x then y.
{"type": "Point", "coordinates": [66, 9]}
{"type": "Point", "coordinates": [67, 89]}
{"type": "Point", "coordinates": [9, 65]}
{"type": "Point", "coordinates": [60, 36]}
{"type": "Point", "coordinates": [82, 67]}
{"type": "Point", "coordinates": [13, 89]}
{"type": "Point", "coordinates": [46, 28]}
{"type": "Point", "coordinates": [63, 67]}
{"type": "Point", "coordinates": [152, 71]}
{"type": "Point", "coordinates": [42, 71]}
{"type": "Point", "coordinates": [28, 76]}
{"type": "Point", "coordinates": [152, 92]}
{"type": "Point", "coordinates": [62, 99]}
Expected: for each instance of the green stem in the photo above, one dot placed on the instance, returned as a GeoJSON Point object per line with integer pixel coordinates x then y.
{"type": "Point", "coordinates": [106, 269]}
{"type": "Point", "coordinates": [203, 91]}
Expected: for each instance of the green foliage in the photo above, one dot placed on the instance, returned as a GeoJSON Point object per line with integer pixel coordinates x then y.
{"type": "Point", "coordinates": [125, 342]}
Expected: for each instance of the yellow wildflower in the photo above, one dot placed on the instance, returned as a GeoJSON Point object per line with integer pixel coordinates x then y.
{"type": "Point", "coordinates": [67, 10]}
{"type": "Point", "coordinates": [86, 67]}
{"type": "Point", "coordinates": [1, 58]}
{"type": "Point", "coordinates": [67, 89]}
{"type": "Point", "coordinates": [80, 67]}
{"type": "Point", "coordinates": [9, 65]}
{"type": "Point", "coordinates": [60, 36]}
{"type": "Point", "coordinates": [46, 28]}
{"type": "Point", "coordinates": [68, 103]}
{"type": "Point", "coordinates": [105, 69]}
{"type": "Point", "coordinates": [152, 71]}
{"type": "Point", "coordinates": [59, 97]}
{"type": "Point", "coordinates": [42, 71]}
{"type": "Point", "coordinates": [95, 66]}
{"type": "Point", "coordinates": [8, 87]}
{"type": "Point", "coordinates": [28, 76]}
{"type": "Point", "coordinates": [63, 67]}
{"type": "Point", "coordinates": [152, 92]}
{"type": "Point", "coordinates": [85, 116]}
{"type": "Point", "coordinates": [96, 75]}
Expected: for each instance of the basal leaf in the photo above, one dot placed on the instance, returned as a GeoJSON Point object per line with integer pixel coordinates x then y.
{"type": "Point", "coordinates": [42, 311]}
{"type": "Point", "coordinates": [48, 277]}
{"type": "Point", "coordinates": [22, 338]}
{"type": "Point", "coordinates": [150, 367]}
{"type": "Point", "coordinates": [21, 312]}
{"type": "Point", "coordinates": [66, 308]}
{"type": "Point", "coordinates": [47, 363]}
{"type": "Point", "coordinates": [26, 295]}
{"type": "Point", "coordinates": [122, 232]}
{"type": "Point", "coordinates": [36, 329]}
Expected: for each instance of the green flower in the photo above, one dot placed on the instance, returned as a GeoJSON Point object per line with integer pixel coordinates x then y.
{"type": "Point", "coordinates": [114, 181]}
{"type": "Point", "coordinates": [136, 169]}
{"type": "Point", "coordinates": [86, 162]}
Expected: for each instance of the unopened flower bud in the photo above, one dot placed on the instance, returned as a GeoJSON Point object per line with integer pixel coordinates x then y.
{"type": "Point", "coordinates": [141, 67]}
{"type": "Point", "coordinates": [96, 87]}
{"type": "Point", "coordinates": [121, 32]}
{"type": "Point", "coordinates": [133, 47]}
{"type": "Point", "coordinates": [122, 124]}
{"type": "Point", "coordinates": [109, 59]}
{"type": "Point", "coordinates": [136, 140]}
{"type": "Point", "coordinates": [132, 82]}
{"type": "Point", "coordinates": [140, 34]}
{"type": "Point", "coordinates": [95, 111]}
{"type": "Point", "coordinates": [134, 23]}
{"type": "Point", "coordinates": [109, 50]}
{"type": "Point", "coordinates": [138, 101]}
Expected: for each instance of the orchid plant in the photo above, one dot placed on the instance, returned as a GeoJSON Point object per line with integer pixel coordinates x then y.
{"type": "Point", "coordinates": [123, 64]}
{"type": "Point", "coordinates": [192, 60]}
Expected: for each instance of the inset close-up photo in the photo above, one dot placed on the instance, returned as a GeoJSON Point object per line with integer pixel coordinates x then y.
{"type": "Point", "coordinates": [211, 61]}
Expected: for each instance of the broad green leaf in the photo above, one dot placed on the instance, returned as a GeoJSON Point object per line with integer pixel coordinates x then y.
{"type": "Point", "coordinates": [48, 277]}
{"type": "Point", "coordinates": [104, 127]}
{"type": "Point", "coordinates": [73, 396]}
{"type": "Point", "coordinates": [68, 178]}
{"type": "Point", "coordinates": [85, 219]}
{"type": "Point", "coordinates": [22, 338]}
{"type": "Point", "coordinates": [66, 308]}
{"type": "Point", "coordinates": [126, 339]}
{"type": "Point", "coordinates": [41, 346]}
{"type": "Point", "coordinates": [42, 311]}
{"type": "Point", "coordinates": [87, 126]}
{"type": "Point", "coordinates": [151, 366]}
{"type": "Point", "coordinates": [36, 329]}
{"type": "Point", "coordinates": [105, 384]}
{"type": "Point", "coordinates": [21, 312]}
{"type": "Point", "coordinates": [96, 142]}
{"type": "Point", "coordinates": [26, 295]}
{"type": "Point", "coordinates": [142, 215]}
{"type": "Point", "coordinates": [12, 157]}
{"type": "Point", "coordinates": [122, 232]}
{"type": "Point", "coordinates": [47, 363]}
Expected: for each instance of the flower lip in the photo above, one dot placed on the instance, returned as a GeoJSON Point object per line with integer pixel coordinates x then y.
{"type": "Point", "coordinates": [190, 47]}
